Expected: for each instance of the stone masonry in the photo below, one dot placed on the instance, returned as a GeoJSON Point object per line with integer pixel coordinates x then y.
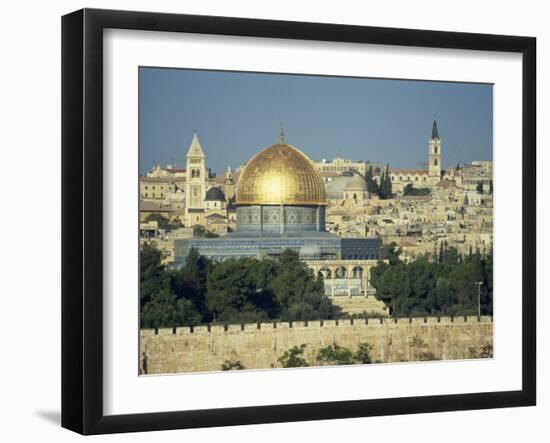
{"type": "Point", "coordinates": [258, 346]}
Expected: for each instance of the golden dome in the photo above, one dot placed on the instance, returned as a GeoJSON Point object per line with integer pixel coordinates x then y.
{"type": "Point", "coordinates": [280, 175]}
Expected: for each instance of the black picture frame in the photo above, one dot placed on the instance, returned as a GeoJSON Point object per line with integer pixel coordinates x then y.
{"type": "Point", "coordinates": [82, 218]}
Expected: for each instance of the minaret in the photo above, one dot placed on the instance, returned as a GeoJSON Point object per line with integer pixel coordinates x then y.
{"type": "Point", "coordinates": [229, 184]}
{"type": "Point", "coordinates": [195, 185]}
{"type": "Point", "coordinates": [434, 154]}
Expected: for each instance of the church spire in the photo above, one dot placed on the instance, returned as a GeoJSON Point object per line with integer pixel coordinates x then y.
{"type": "Point", "coordinates": [435, 131]}
{"type": "Point", "coordinates": [195, 149]}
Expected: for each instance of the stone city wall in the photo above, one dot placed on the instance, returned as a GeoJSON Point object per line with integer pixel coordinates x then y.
{"type": "Point", "coordinates": [256, 346]}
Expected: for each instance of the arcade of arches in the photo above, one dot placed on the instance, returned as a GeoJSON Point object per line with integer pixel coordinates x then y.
{"type": "Point", "coordinates": [344, 277]}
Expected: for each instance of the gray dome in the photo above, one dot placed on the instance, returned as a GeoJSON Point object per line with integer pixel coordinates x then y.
{"type": "Point", "coordinates": [215, 194]}
{"type": "Point", "coordinates": [335, 189]}
{"type": "Point", "coordinates": [356, 183]}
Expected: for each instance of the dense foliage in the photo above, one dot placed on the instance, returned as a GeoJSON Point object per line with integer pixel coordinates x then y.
{"type": "Point", "coordinates": [248, 290]}
{"type": "Point", "coordinates": [443, 287]}
{"type": "Point", "coordinates": [293, 358]}
{"type": "Point", "coordinates": [411, 190]}
{"type": "Point", "coordinates": [232, 365]}
{"type": "Point", "coordinates": [201, 231]}
{"type": "Point", "coordinates": [385, 187]}
{"type": "Point", "coordinates": [233, 291]}
{"type": "Point", "coordinates": [382, 189]}
{"type": "Point", "coordinates": [333, 355]}
{"type": "Point", "coordinates": [164, 223]}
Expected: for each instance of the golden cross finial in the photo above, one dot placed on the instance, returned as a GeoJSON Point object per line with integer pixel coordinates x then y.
{"type": "Point", "coordinates": [282, 135]}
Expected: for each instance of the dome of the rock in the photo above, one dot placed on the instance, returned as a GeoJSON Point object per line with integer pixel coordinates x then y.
{"type": "Point", "coordinates": [280, 175]}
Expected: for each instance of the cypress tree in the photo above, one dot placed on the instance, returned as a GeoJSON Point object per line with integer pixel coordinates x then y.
{"type": "Point", "coordinates": [372, 186]}
{"type": "Point", "coordinates": [387, 185]}
{"type": "Point", "coordinates": [382, 188]}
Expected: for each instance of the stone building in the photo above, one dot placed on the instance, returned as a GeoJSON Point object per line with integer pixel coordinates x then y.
{"type": "Point", "coordinates": [340, 165]}
{"type": "Point", "coordinates": [337, 173]}
{"type": "Point", "coordinates": [191, 194]}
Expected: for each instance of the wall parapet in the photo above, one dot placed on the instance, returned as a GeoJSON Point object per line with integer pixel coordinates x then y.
{"type": "Point", "coordinates": [343, 323]}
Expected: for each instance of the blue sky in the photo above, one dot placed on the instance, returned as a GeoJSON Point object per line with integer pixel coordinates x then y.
{"type": "Point", "coordinates": [237, 114]}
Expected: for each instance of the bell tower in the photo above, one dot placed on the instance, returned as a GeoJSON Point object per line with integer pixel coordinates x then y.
{"type": "Point", "coordinates": [229, 188]}
{"type": "Point", "coordinates": [195, 185]}
{"type": "Point", "coordinates": [434, 154]}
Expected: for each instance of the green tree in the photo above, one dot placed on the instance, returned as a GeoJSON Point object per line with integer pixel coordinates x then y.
{"type": "Point", "coordinates": [335, 355]}
{"type": "Point", "coordinates": [385, 184]}
{"type": "Point", "coordinates": [164, 223]}
{"type": "Point", "coordinates": [293, 358]}
{"type": "Point", "coordinates": [164, 310]}
{"type": "Point", "coordinates": [300, 295]}
{"type": "Point", "coordinates": [391, 253]}
{"type": "Point", "coordinates": [167, 299]}
{"type": "Point", "coordinates": [445, 287]}
{"type": "Point", "coordinates": [363, 354]}
{"type": "Point", "coordinates": [189, 281]}
{"type": "Point", "coordinates": [236, 292]}
{"type": "Point", "coordinates": [151, 272]}
{"type": "Point", "coordinates": [410, 190]}
{"type": "Point", "coordinates": [201, 231]}
{"type": "Point", "coordinates": [372, 186]}
{"type": "Point", "coordinates": [486, 351]}
{"type": "Point", "coordinates": [232, 365]}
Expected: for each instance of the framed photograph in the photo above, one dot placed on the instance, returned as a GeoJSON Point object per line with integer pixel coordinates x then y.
{"type": "Point", "coordinates": [268, 221]}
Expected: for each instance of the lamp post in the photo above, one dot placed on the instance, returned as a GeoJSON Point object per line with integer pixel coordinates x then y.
{"type": "Point", "coordinates": [478, 284]}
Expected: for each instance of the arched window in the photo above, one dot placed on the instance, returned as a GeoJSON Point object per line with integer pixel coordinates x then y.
{"type": "Point", "coordinates": [357, 272]}
{"type": "Point", "coordinates": [341, 272]}
{"type": "Point", "coordinates": [325, 273]}
{"type": "Point", "coordinates": [435, 149]}
{"type": "Point", "coordinates": [435, 161]}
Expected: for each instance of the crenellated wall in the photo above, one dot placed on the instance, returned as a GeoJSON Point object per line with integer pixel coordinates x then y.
{"type": "Point", "coordinates": [256, 346]}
